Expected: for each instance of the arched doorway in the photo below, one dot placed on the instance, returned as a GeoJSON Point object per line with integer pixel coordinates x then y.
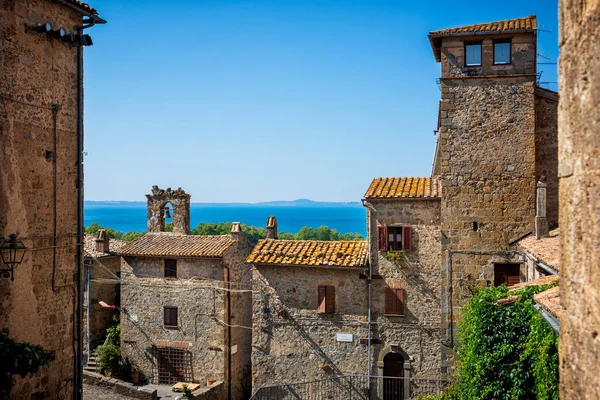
{"type": "Point", "coordinates": [393, 368]}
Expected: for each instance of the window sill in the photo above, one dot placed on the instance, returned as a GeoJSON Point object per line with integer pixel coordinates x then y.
{"type": "Point", "coordinates": [394, 315]}
{"type": "Point", "coordinates": [171, 326]}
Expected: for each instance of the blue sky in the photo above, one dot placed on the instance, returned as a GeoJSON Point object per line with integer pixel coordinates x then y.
{"type": "Point", "coordinates": [247, 101]}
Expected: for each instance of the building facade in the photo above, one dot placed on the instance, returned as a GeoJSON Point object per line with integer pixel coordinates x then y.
{"type": "Point", "coordinates": [311, 309]}
{"type": "Point", "coordinates": [41, 181]}
{"type": "Point", "coordinates": [579, 166]}
{"type": "Point", "coordinates": [186, 301]}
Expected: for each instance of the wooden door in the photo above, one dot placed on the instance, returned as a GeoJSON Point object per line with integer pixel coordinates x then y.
{"type": "Point", "coordinates": [510, 274]}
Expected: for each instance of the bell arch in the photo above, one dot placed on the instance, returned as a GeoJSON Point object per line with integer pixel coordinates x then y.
{"type": "Point", "coordinates": [179, 201]}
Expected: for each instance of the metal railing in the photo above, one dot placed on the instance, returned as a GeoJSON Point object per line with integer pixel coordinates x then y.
{"type": "Point", "coordinates": [351, 387]}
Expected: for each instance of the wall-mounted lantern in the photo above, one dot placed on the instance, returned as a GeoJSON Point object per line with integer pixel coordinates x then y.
{"type": "Point", "coordinates": [12, 252]}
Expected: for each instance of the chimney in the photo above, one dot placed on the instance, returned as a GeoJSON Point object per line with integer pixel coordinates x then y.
{"type": "Point", "coordinates": [271, 228]}
{"type": "Point", "coordinates": [541, 222]}
{"type": "Point", "coordinates": [236, 231]}
{"type": "Point", "coordinates": [103, 241]}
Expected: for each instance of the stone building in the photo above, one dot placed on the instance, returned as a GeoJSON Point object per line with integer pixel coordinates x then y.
{"type": "Point", "coordinates": [579, 167]}
{"type": "Point", "coordinates": [102, 272]}
{"type": "Point", "coordinates": [311, 308]}
{"type": "Point", "coordinates": [186, 312]}
{"type": "Point", "coordinates": [41, 184]}
{"type": "Point", "coordinates": [497, 139]}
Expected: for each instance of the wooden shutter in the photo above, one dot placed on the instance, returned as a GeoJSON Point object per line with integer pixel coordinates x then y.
{"type": "Point", "coordinates": [322, 294]}
{"type": "Point", "coordinates": [394, 301]}
{"type": "Point", "coordinates": [512, 280]}
{"type": "Point", "coordinates": [330, 299]}
{"type": "Point", "coordinates": [407, 238]}
{"type": "Point", "coordinates": [382, 236]}
{"type": "Point", "coordinates": [326, 299]}
{"type": "Point", "coordinates": [390, 301]}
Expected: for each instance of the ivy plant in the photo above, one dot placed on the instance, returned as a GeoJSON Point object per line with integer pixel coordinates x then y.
{"type": "Point", "coordinates": [19, 358]}
{"type": "Point", "coordinates": [505, 352]}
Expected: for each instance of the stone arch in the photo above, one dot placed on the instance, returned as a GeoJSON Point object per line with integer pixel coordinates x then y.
{"type": "Point", "coordinates": [394, 350]}
{"type": "Point", "coordinates": [180, 210]}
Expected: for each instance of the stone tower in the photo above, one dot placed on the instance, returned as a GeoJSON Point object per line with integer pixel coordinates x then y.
{"type": "Point", "coordinates": [487, 153]}
{"type": "Point", "coordinates": [157, 210]}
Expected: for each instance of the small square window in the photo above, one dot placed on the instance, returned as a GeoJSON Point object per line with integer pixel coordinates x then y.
{"type": "Point", "coordinates": [473, 54]}
{"type": "Point", "coordinates": [170, 316]}
{"type": "Point", "coordinates": [170, 268]}
{"type": "Point", "coordinates": [502, 52]}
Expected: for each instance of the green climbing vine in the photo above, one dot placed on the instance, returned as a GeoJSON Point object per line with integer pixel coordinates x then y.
{"type": "Point", "coordinates": [505, 352]}
{"type": "Point", "coordinates": [19, 358]}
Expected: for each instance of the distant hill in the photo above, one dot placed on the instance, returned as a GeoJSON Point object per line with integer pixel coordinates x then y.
{"type": "Point", "coordinates": [278, 203]}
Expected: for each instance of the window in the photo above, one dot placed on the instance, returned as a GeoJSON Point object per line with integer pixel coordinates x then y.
{"type": "Point", "coordinates": [170, 318]}
{"type": "Point", "coordinates": [473, 54]}
{"type": "Point", "coordinates": [502, 52]}
{"type": "Point", "coordinates": [394, 301]}
{"type": "Point", "coordinates": [394, 238]}
{"type": "Point", "coordinates": [170, 268]}
{"type": "Point", "coordinates": [326, 299]}
{"type": "Point", "coordinates": [509, 274]}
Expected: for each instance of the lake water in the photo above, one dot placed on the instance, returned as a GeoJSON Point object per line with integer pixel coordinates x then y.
{"type": "Point", "coordinates": [125, 217]}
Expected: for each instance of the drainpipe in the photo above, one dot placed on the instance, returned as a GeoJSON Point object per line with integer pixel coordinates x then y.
{"type": "Point", "coordinates": [369, 278]}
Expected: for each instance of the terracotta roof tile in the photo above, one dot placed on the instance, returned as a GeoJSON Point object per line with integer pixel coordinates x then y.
{"type": "Point", "coordinates": [507, 25]}
{"type": "Point", "coordinates": [546, 250]}
{"type": "Point", "coordinates": [407, 187]}
{"type": "Point", "coordinates": [544, 280]}
{"type": "Point", "coordinates": [172, 245]}
{"type": "Point", "coordinates": [82, 5]}
{"type": "Point", "coordinates": [550, 301]}
{"type": "Point", "coordinates": [89, 247]}
{"type": "Point", "coordinates": [310, 253]}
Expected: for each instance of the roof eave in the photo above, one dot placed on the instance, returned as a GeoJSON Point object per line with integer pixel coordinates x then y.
{"type": "Point", "coordinates": [402, 198]}
{"type": "Point", "coordinates": [552, 320]}
{"type": "Point", "coordinates": [82, 11]}
{"type": "Point", "coordinates": [308, 265]}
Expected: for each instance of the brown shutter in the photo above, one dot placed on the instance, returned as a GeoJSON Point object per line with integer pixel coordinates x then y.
{"type": "Point", "coordinates": [382, 236]}
{"type": "Point", "coordinates": [322, 295]}
{"type": "Point", "coordinates": [170, 316]}
{"type": "Point", "coordinates": [512, 280]}
{"type": "Point", "coordinates": [400, 301]}
{"type": "Point", "coordinates": [407, 238]}
{"type": "Point", "coordinates": [330, 299]}
{"type": "Point", "coordinates": [390, 301]}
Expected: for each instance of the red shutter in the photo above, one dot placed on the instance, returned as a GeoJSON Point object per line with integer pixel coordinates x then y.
{"type": "Point", "coordinates": [390, 301]}
{"type": "Point", "coordinates": [400, 301]}
{"type": "Point", "coordinates": [330, 299]}
{"type": "Point", "coordinates": [322, 295]}
{"type": "Point", "coordinates": [407, 238]}
{"type": "Point", "coordinates": [382, 236]}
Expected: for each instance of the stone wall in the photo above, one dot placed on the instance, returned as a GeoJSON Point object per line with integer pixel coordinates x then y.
{"type": "Point", "coordinates": [240, 276]}
{"type": "Point", "coordinates": [523, 56]}
{"type": "Point", "coordinates": [97, 318]}
{"type": "Point", "coordinates": [546, 148]}
{"type": "Point", "coordinates": [200, 305]}
{"type": "Point", "coordinates": [180, 210]}
{"type": "Point", "coordinates": [419, 273]}
{"type": "Point", "coordinates": [37, 72]}
{"type": "Point", "coordinates": [579, 194]}
{"type": "Point", "coordinates": [488, 169]}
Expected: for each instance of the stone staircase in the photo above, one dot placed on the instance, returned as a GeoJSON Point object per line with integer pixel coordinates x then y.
{"type": "Point", "coordinates": [91, 364]}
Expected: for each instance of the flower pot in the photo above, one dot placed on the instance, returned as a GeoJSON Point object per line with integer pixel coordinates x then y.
{"type": "Point", "coordinates": [209, 382]}
{"type": "Point", "coordinates": [135, 376]}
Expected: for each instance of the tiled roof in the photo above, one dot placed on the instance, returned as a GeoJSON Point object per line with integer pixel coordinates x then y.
{"type": "Point", "coordinates": [507, 25]}
{"type": "Point", "coordinates": [310, 253]}
{"type": "Point", "coordinates": [172, 245]}
{"type": "Point", "coordinates": [546, 250]}
{"type": "Point", "coordinates": [89, 247]}
{"type": "Point", "coordinates": [83, 6]}
{"type": "Point", "coordinates": [389, 188]}
{"type": "Point", "coordinates": [550, 301]}
{"type": "Point", "coordinates": [544, 280]}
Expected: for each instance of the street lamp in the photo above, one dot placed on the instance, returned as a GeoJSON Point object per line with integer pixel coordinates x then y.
{"type": "Point", "coordinates": [12, 252]}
